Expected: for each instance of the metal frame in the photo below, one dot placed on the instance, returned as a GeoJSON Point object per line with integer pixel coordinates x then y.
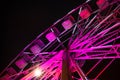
{"type": "Point", "coordinates": [95, 38]}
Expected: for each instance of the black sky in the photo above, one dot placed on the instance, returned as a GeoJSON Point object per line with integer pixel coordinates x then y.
{"type": "Point", "coordinates": [24, 20]}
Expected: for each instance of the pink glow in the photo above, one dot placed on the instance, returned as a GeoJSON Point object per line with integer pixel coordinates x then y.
{"type": "Point", "coordinates": [20, 63]}
{"type": "Point", "coordinates": [96, 41]}
{"type": "Point", "coordinates": [58, 71]}
{"type": "Point", "coordinates": [37, 72]}
{"type": "Point", "coordinates": [67, 24]}
{"type": "Point", "coordinates": [90, 40]}
{"type": "Point", "coordinates": [11, 71]}
{"type": "Point", "coordinates": [51, 36]}
{"type": "Point", "coordinates": [35, 49]}
{"type": "Point", "coordinates": [102, 4]}
{"type": "Point", "coordinates": [39, 42]}
{"type": "Point", "coordinates": [5, 77]}
{"type": "Point", "coordinates": [85, 13]}
{"type": "Point", "coordinates": [47, 67]}
{"type": "Point", "coordinates": [104, 68]}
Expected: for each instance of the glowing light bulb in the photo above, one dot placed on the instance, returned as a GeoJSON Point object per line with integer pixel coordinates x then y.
{"type": "Point", "coordinates": [37, 72]}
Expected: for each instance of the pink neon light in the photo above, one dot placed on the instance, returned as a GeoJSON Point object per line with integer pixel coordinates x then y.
{"type": "Point", "coordinates": [100, 2]}
{"type": "Point", "coordinates": [11, 71]}
{"type": "Point", "coordinates": [5, 77]}
{"type": "Point", "coordinates": [37, 72]}
{"type": "Point", "coordinates": [51, 36]}
{"type": "Point", "coordinates": [35, 49]}
{"type": "Point", "coordinates": [85, 13]}
{"type": "Point", "coordinates": [90, 40]}
{"type": "Point", "coordinates": [39, 42]}
{"type": "Point", "coordinates": [67, 24]}
{"type": "Point", "coordinates": [20, 63]}
{"type": "Point", "coordinates": [52, 63]}
{"type": "Point", "coordinates": [104, 69]}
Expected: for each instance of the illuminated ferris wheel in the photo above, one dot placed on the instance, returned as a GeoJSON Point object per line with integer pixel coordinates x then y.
{"type": "Point", "coordinates": [79, 46]}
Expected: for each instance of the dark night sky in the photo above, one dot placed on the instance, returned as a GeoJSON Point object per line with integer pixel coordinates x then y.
{"type": "Point", "coordinates": [25, 20]}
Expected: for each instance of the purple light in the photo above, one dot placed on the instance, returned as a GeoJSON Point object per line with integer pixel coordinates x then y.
{"type": "Point", "coordinates": [51, 36]}
{"type": "Point", "coordinates": [35, 49]}
{"type": "Point", "coordinates": [48, 68]}
{"type": "Point", "coordinates": [85, 13]}
{"type": "Point", "coordinates": [37, 72]}
{"type": "Point", "coordinates": [95, 39]}
{"type": "Point", "coordinates": [67, 24]}
{"type": "Point", "coordinates": [21, 63]}
{"type": "Point", "coordinates": [102, 4]}
{"type": "Point", "coordinates": [11, 70]}
{"type": "Point", "coordinates": [5, 77]}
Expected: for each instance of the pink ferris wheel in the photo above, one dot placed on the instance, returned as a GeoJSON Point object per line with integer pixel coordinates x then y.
{"type": "Point", "coordinates": [82, 45]}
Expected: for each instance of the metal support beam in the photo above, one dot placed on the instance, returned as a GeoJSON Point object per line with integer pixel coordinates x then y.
{"type": "Point", "coordinates": [79, 70]}
{"type": "Point", "coordinates": [66, 73]}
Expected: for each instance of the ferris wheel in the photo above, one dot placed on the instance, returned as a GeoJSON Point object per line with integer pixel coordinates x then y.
{"type": "Point", "coordinates": [79, 46]}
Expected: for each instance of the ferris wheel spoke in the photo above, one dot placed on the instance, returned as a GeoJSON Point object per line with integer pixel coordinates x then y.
{"type": "Point", "coordinates": [52, 65]}
{"type": "Point", "coordinates": [43, 56]}
{"type": "Point", "coordinates": [91, 41]}
{"type": "Point", "coordinates": [99, 52]}
{"type": "Point", "coordinates": [100, 73]}
{"type": "Point", "coordinates": [103, 34]}
{"type": "Point", "coordinates": [38, 60]}
{"type": "Point", "coordinates": [94, 58]}
{"type": "Point", "coordinates": [79, 70]}
{"type": "Point", "coordinates": [101, 69]}
{"type": "Point", "coordinates": [97, 26]}
{"type": "Point", "coordinates": [107, 38]}
{"type": "Point", "coordinates": [74, 47]}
